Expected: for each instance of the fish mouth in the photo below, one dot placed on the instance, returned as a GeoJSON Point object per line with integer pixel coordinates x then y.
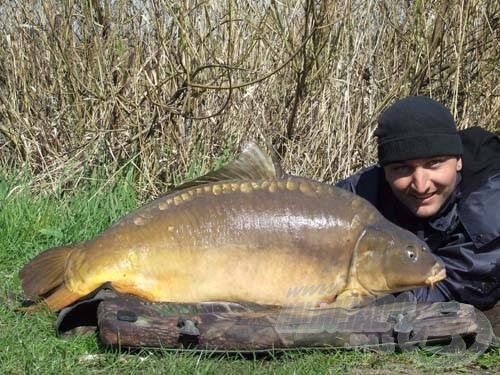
{"type": "Point", "coordinates": [437, 275]}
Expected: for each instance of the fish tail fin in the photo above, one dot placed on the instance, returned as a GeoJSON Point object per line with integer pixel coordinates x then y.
{"type": "Point", "coordinates": [44, 275]}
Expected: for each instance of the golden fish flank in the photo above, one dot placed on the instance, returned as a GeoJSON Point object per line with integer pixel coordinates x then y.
{"type": "Point", "coordinates": [307, 189]}
{"type": "Point", "coordinates": [198, 244]}
{"type": "Point", "coordinates": [226, 188]}
{"type": "Point", "coordinates": [256, 185]}
{"type": "Point", "coordinates": [292, 185]}
{"type": "Point", "coordinates": [273, 186]}
{"type": "Point", "coordinates": [216, 189]}
{"type": "Point", "coordinates": [246, 187]}
{"type": "Point", "coordinates": [322, 189]}
{"type": "Point", "coordinates": [139, 220]}
{"type": "Point", "coordinates": [163, 205]}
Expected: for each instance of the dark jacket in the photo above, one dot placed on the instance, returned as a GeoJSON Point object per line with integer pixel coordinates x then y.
{"type": "Point", "coordinates": [465, 233]}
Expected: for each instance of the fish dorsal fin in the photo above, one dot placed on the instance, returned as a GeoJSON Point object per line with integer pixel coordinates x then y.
{"type": "Point", "coordinates": [251, 164]}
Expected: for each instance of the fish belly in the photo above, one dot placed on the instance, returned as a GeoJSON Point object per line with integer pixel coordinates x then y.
{"type": "Point", "coordinates": [276, 276]}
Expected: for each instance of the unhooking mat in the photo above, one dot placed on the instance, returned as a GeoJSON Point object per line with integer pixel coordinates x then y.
{"type": "Point", "coordinates": [385, 324]}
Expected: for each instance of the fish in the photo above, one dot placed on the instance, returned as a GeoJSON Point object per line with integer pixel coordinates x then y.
{"type": "Point", "coordinates": [247, 232]}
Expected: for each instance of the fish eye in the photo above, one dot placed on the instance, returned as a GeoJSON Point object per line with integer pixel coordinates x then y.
{"type": "Point", "coordinates": [411, 253]}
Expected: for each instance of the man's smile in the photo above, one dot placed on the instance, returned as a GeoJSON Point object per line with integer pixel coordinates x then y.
{"type": "Point", "coordinates": [422, 198]}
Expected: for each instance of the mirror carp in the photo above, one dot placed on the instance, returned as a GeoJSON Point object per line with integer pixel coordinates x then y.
{"type": "Point", "coordinates": [247, 232]}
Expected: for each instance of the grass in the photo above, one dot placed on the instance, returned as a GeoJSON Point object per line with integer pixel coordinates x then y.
{"type": "Point", "coordinates": [30, 222]}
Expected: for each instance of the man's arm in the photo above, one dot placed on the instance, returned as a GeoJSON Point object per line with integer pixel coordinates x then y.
{"type": "Point", "coordinates": [364, 183]}
{"type": "Point", "coordinates": [431, 294]}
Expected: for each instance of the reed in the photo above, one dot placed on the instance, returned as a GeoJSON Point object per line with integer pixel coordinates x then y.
{"type": "Point", "coordinates": [171, 89]}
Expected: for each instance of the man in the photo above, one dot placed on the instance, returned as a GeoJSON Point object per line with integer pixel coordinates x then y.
{"type": "Point", "coordinates": [444, 186]}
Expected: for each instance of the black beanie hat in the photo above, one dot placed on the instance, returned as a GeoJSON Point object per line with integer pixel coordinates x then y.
{"type": "Point", "coordinates": [416, 127]}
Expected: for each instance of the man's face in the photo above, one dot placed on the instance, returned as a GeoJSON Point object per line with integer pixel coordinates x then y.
{"type": "Point", "coordinates": [423, 185]}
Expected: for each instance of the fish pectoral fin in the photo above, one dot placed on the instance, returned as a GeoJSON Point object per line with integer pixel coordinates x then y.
{"type": "Point", "coordinates": [45, 272]}
{"type": "Point", "coordinates": [351, 299]}
{"type": "Point", "coordinates": [55, 301]}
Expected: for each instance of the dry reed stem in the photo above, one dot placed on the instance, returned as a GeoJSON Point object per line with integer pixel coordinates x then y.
{"type": "Point", "coordinates": [168, 87]}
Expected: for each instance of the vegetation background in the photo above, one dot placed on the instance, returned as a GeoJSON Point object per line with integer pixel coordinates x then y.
{"type": "Point", "coordinates": [170, 87]}
{"type": "Point", "coordinates": [105, 104]}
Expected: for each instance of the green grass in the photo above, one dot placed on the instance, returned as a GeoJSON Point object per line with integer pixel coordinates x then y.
{"type": "Point", "coordinates": [31, 222]}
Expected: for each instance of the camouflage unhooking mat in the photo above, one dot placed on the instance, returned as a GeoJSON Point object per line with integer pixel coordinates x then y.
{"type": "Point", "coordinates": [385, 324]}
